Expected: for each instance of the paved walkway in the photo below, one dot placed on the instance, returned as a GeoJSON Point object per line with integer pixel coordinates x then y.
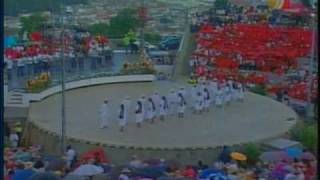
{"type": "Point", "coordinates": [255, 119]}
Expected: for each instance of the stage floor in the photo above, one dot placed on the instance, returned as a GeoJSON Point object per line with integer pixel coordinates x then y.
{"type": "Point", "coordinates": [255, 119]}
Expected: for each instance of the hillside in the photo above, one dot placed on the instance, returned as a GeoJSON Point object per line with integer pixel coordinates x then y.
{"type": "Point", "coordinates": [14, 7]}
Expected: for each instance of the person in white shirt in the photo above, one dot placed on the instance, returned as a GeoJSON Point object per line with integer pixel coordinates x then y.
{"type": "Point", "coordinates": [139, 113]}
{"type": "Point", "coordinates": [70, 156]}
{"type": "Point", "coordinates": [227, 94]}
{"type": "Point", "coordinates": [164, 107]}
{"type": "Point", "coordinates": [172, 102]}
{"type": "Point", "coordinates": [219, 97]}
{"type": "Point", "coordinates": [104, 113]}
{"type": "Point", "coordinates": [9, 68]}
{"type": "Point", "coordinates": [156, 99]}
{"type": "Point", "coordinates": [122, 117]}
{"type": "Point", "coordinates": [151, 110]}
{"type": "Point", "coordinates": [20, 64]}
{"type": "Point", "coordinates": [181, 105]}
{"type": "Point", "coordinates": [198, 103]}
{"type": "Point", "coordinates": [127, 104]}
{"type": "Point", "coordinates": [206, 99]}
{"type": "Point", "coordinates": [14, 139]}
{"type": "Point", "coordinates": [144, 107]}
{"type": "Point", "coordinates": [240, 92]}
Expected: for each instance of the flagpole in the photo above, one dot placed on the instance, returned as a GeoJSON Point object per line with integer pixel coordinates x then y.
{"type": "Point", "coordinates": [311, 66]}
{"type": "Point", "coordinates": [62, 76]}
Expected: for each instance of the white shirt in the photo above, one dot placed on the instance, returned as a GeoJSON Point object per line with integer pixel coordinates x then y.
{"type": "Point", "coordinates": [123, 177]}
{"type": "Point", "coordinates": [70, 154]}
{"type": "Point", "coordinates": [9, 64]}
{"type": "Point", "coordinates": [14, 137]}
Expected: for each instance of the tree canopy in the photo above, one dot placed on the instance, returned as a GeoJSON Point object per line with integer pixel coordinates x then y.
{"type": "Point", "coordinates": [32, 23]}
{"type": "Point", "coordinates": [119, 25]}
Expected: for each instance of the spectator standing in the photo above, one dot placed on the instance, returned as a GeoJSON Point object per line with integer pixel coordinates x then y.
{"type": "Point", "coordinates": [71, 156]}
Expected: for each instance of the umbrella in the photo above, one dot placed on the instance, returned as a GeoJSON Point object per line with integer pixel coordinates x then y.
{"type": "Point", "coordinates": [238, 156]}
{"type": "Point", "coordinates": [73, 177]}
{"type": "Point", "coordinates": [211, 174]}
{"type": "Point", "coordinates": [294, 152]}
{"type": "Point", "coordinates": [23, 174]}
{"type": "Point", "coordinates": [274, 156]}
{"type": "Point", "coordinates": [24, 156]}
{"type": "Point", "coordinates": [88, 170]}
{"type": "Point", "coordinates": [307, 156]}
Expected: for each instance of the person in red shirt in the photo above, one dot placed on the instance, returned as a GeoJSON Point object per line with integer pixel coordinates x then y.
{"type": "Point", "coordinates": [189, 172]}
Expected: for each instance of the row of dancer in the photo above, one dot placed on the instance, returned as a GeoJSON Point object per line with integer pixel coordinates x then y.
{"type": "Point", "coordinates": [202, 96]}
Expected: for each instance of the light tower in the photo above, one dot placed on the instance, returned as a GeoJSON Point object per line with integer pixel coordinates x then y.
{"type": "Point", "coordinates": [142, 14]}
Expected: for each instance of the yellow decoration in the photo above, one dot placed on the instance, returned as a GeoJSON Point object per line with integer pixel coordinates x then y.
{"type": "Point", "coordinates": [238, 156]}
{"type": "Point", "coordinates": [275, 4]}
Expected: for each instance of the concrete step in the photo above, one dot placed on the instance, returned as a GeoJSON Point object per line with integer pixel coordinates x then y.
{"type": "Point", "coordinates": [15, 98]}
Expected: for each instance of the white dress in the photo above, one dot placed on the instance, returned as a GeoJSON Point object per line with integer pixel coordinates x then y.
{"type": "Point", "coordinates": [172, 102]}
{"type": "Point", "coordinates": [219, 97]}
{"type": "Point", "coordinates": [150, 112]}
{"type": "Point", "coordinates": [181, 105]}
{"type": "Point", "coordinates": [123, 119]}
{"type": "Point", "coordinates": [206, 99]}
{"type": "Point", "coordinates": [227, 94]}
{"type": "Point", "coordinates": [163, 108]}
{"type": "Point", "coordinates": [104, 115]}
{"type": "Point", "coordinates": [240, 92]}
{"type": "Point", "coordinates": [139, 114]}
{"type": "Point", "coordinates": [199, 103]}
{"type": "Point", "coordinates": [156, 100]}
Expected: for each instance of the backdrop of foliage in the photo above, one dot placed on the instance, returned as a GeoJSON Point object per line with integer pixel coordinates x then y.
{"type": "Point", "coordinates": [253, 152]}
{"type": "Point", "coordinates": [14, 7]}
{"type": "Point", "coordinates": [119, 25]}
{"type": "Point", "coordinates": [153, 38]}
{"type": "Point", "coordinates": [32, 23]}
{"type": "Point", "coordinates": [307, 135]}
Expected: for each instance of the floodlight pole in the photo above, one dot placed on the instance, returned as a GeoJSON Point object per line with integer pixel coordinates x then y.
{"type": "Point", "coordinates": [311, 67]}
{"type": "Point", "coordinates": [142, 19]}
{"type": "Point", "coordinates": [62, 76]}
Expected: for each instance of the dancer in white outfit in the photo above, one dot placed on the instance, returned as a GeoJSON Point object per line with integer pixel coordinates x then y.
{"type": "Point", "coordinates": [139, 113]}
{"type": "Point", "coordinates": [181, 106]}
{"type": "Point", "coordinates": [227, 94]}
{"type": "Point", "coordinates": [156, 99]}
{"type": "Point", "coordinates": [219, 97]}
{"type": "Point", "coordinates": [127, 104]}
{"type": "Point", "coordinates": [144, 109]}
{"type": "Point", "coordinates": [206, 99]}
{"type": "Point", "coordinates": [104, 113]}
{"type": "Point", "coordinates": [151, 110]}
{"type": "Point", "coordinates": [240, 92]}
{"type": "Point", "coordinates": [122, 117]}
{"type": "Point", "coordinates": [172, 102]}
{"type": "Point", "coordinates": [194, 91]}
{"type": "Point", "coordinates": [163, 108]}
{"type": "Point", "coordinates": [199, 102]}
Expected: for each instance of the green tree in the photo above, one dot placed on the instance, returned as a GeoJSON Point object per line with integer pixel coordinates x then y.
{"type": "Point", "coordinates": [99, 29]}
{"type": "Point", "coordinates": [152, 37]}
{"type": "Point", "coordinates": [121, 24]}
{"type": "Point", "coordinates": [306, 135]}
{"type": "Point", "coordinates": [32, 23]}
{"type": "Point", "coordinates": [253, 152]}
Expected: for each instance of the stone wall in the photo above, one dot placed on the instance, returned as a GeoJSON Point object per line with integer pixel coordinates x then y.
{"type": "Point", "coordinates": [120, 154]}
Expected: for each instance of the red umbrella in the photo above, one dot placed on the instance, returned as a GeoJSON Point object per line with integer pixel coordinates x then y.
{"type": "Point", "coordinates": [36, 36]}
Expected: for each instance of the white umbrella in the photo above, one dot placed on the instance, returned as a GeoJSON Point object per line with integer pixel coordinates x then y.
{"type": "Point", "coordinates": [88, 170]}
